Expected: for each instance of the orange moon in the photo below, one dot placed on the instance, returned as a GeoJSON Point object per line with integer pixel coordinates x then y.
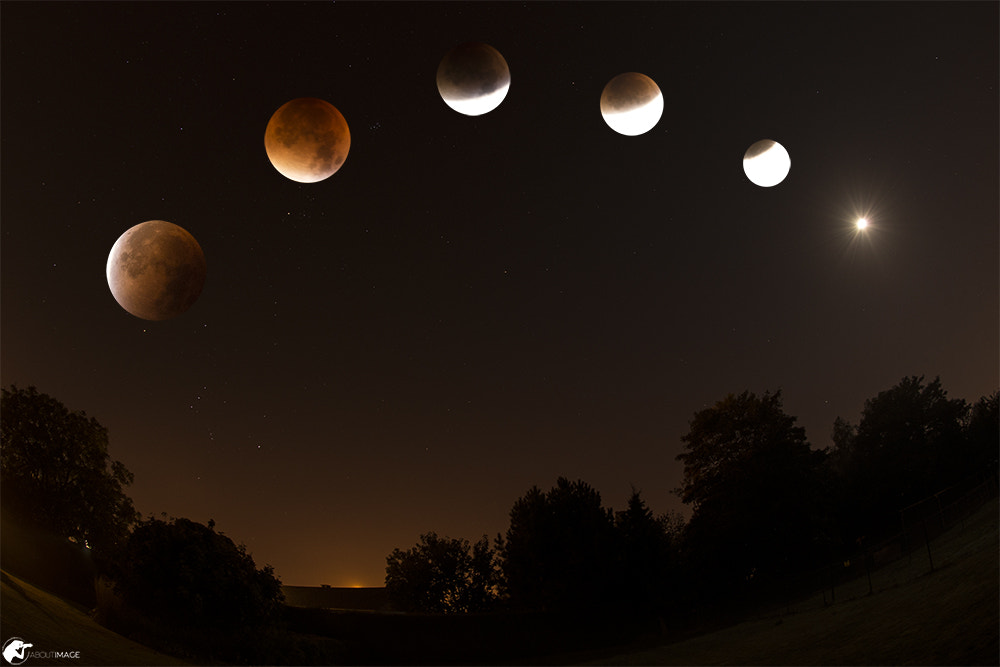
{"type": "Point", "coordinates": [307, 140]}
{"type": "Point", "coordinates": [156, 270]}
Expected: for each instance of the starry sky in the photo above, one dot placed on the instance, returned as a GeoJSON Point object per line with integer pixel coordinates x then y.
{"type": "Point", "coordinates": [475, 305]}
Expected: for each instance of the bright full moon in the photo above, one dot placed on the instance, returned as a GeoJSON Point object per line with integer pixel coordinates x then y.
{"type": "Point", "coordinates": [766, 163]}
{"type": "Point", "coordinates": [631, 104]}
{"type": "Point", "coordinates": [862, 223]}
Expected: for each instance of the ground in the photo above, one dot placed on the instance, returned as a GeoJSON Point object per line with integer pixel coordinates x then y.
{"type": "Point", "coordinates": [52, 624]}
{"type": "Point", "coordinates": [948, 616]}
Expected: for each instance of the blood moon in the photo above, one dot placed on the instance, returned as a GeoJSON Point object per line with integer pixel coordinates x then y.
{"type": "Point", "coordinates": [473, 78]}
{"type": "Point", "coordinates": [156, 270]}
{"type": "Point", "coordinates": [307, 140]}
{"type": "Point", "coordinates": [631, 104]}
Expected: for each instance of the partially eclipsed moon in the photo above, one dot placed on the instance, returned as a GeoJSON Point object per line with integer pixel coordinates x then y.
{"type": "Point", "coordinates": [473, 78]}
{"type": "Point", "coordinates": [766, 163]}
{"type": "Point", "coordinates": [307, 140]}
{"type": "Point", "coordinates": [156, 270]}
{"type": "Point", "coordinates": [631, 104]}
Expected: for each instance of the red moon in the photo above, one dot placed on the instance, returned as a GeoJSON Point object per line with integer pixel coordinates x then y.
{"type": "Point", "coordinates": [156, 270]}
{"type": "Point", "coordinates": [307, 140]}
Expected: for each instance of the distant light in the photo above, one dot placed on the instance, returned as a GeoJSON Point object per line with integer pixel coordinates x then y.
{"type": "Point", "coordinates": [862, 223]}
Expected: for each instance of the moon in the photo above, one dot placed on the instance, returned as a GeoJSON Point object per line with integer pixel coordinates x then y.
{"type": "Point", "coordinates": [473, 78]}
{"type": "Point", "coordinates": [631, 104]}
{"type": "Point", "coordinates": [766, 163]}
{"type": "Point", "coordinates": [156, 270]}
{"type": "Point", "coordinates": [307, 140]}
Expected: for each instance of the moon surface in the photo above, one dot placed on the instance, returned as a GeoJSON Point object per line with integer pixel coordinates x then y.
{"type": "Point", "coordinates": [631, 104]}
{"type": "Point", "coordinates": [766, 163]}
{"type": "Point", "coordinates": [156, 270]}
{"type": "Point", "coordinates": [307, 140]}
{"type": "Point", "coordinates": [473, 78]}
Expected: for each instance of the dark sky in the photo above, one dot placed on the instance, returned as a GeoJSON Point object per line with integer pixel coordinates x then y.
{"type": "Point", "coordinates": [475, 305]}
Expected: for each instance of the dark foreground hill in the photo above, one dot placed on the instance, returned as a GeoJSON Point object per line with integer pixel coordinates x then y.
{"type": "Point", "coordinates": [914, 615]}
{"type": "Point", "coordinates": [948, 616]}
{"type": "Point", "coordinates": [53, 625]}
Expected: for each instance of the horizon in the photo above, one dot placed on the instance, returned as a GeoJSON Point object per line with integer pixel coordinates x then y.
{"type": "Point", "coordinates": [471, 306]}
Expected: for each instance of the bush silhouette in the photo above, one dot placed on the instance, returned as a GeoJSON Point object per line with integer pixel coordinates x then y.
{"type": "Point", "coordinates": [190, 579]}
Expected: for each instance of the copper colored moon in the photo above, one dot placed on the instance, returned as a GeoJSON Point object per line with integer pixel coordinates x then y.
{"type": "Point", "coordinates": [307, 140]}
{"type": "Point", "coordinates": [473, 78]}
{"type": "Point", "coordinates": [156, 270]}
{"type": "Point", "coordinates": [631, 104]}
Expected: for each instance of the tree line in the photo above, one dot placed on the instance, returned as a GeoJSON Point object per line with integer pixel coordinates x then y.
{"type": "Point", "coordinates": [764, 506]}
{"type": "Point", "coordinates": [173, 584]}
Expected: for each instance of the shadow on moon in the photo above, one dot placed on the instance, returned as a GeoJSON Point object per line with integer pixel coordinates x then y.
{"type": "Point", "coordinates": [156, 270]}
{"type": "Point", "coordinates": [631, 104]}
{"type": "Point", "coordinates": [473, 78]}
{"type": "Point", "coordinates": [766, 163]}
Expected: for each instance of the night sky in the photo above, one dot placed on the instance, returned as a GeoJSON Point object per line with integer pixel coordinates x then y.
{"type": "Point", "coordinates": [474, 305]}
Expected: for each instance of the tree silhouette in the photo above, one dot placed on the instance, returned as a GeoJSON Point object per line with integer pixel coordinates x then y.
{"type": "Point", "coordinates": [442, 575]}
{"type": "Point", "coordinates": [648, 548]}
{"type": "Point", "coordinates": [982, 433]}
{"type": "Point", "coordinates": [907, 445]}
{"type": "Point", "coordinates": [55, 471]}
{"type": "Point", "coordinates": [560, 549]}
{"type": "Point", "coordinates": [756, 489]}
{"type": "Point", "coordinates": [189, 578]}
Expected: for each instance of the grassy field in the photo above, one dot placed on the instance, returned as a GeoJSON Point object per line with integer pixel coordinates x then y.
{"type": "Point", "coordinates": [52, 624]}
{"type": "Point", "coordinates": [950, 616]}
